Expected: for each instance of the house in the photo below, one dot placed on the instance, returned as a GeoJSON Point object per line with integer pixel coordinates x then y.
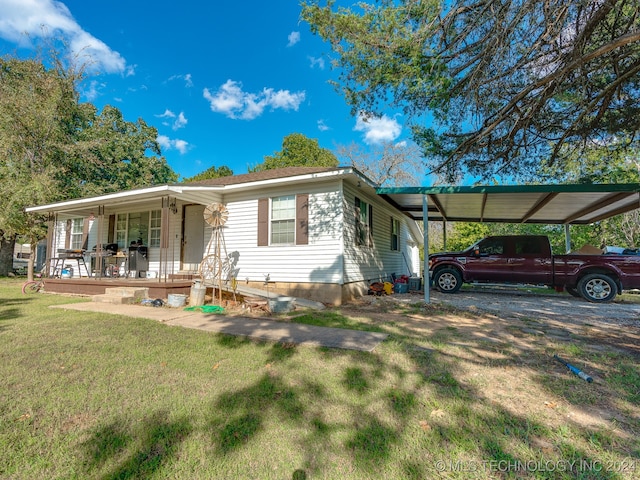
{"type": "Point", "coordinates": [312, 232]}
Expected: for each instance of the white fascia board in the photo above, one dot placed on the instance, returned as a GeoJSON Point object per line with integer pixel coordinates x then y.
{"type": "Point", "coordinates": [290, 180]}
{"type": "Point", "coordinates": [118, 196]}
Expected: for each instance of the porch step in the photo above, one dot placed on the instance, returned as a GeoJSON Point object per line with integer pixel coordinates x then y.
{"type": "Point", "coordinates": [122, 295]}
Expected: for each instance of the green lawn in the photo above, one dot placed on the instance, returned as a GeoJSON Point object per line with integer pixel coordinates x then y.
{"type": "Point", "coordinates": [97, 396]}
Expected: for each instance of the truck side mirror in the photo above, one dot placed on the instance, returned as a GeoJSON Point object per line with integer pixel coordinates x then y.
{"type": "Point", "coordinates": [476, 252]}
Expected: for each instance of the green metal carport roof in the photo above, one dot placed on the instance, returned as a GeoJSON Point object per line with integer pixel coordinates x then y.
{"type": "Point", "coordinates": [548, 204]}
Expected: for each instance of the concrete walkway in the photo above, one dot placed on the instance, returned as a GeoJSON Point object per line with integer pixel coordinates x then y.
{"type": "Point", "coordinates": [256, 328]}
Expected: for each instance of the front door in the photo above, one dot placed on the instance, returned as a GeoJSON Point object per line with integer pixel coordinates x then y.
{"type": "Point", "coordinates": [192, 237]}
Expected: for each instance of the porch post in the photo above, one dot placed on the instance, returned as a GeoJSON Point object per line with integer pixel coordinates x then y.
{"type": "Point", "coordinates": [99, 251]}
{"type": "Point", "coordinates": [163, 272]}
{"type": "Point", "coordinates": [52, 222]}
{"type": "Point", "coordinates": [425, 226]}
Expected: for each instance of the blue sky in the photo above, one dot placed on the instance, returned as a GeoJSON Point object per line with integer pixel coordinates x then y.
{"type": "Point", "coordinates": [223, 82]}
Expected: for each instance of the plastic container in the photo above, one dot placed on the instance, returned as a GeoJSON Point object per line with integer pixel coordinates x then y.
{"type": "Point", "coordinates": [66, 272]}
{"type": "Point", "coordinates": [176, 300]}
{"type": "Point", "coordinates": [415, 284]}
{"type": "Point", "coordinates": [196, 297]}
{"type": "Point", "coordinates": [281, 304]}
{"type": "Point", "coordinates": [401, 288]}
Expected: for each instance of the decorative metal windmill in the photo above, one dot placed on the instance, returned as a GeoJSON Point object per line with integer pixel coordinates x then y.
{"type": "Point", "coordinates": [212, 265]}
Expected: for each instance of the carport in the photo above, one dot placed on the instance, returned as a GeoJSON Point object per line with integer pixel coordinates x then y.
{"type": "Point", "coordinates": [542, 204]}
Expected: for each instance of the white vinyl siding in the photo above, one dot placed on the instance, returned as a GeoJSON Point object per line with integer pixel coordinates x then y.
{"type": "Point", "coordinates": [380, 261]}
{"type": "Point", "coordinates": [319, 260]}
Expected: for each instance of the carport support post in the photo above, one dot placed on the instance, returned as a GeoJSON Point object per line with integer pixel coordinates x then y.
{"type": "Point", "coordinates": [425, 267]}
{"type": "Point", "coordinates": [567, 238]}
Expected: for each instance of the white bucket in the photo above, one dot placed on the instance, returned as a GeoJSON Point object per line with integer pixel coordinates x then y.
{"type": "Point", "coordinates": [281, 304]}
{"type": "Point", "coordinates": [176, 300]}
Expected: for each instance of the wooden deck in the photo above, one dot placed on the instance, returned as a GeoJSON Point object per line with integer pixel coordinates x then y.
{"type": "Point", "coordinates": [96, 286]}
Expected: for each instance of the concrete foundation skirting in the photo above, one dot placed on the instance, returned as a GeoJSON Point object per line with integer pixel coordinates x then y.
{"type": "Point", "coordinates": [327, 293]}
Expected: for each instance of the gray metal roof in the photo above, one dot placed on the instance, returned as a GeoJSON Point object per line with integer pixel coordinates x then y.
{"type": "Point", "coordinates": [549, 204]}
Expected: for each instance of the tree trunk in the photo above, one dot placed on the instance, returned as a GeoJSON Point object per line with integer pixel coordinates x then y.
{"type": "Point", "coordinates": [6, 255]}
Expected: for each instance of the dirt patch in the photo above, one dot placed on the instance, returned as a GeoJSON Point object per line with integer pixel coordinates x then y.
{"type": "Point", "coordinates": [516, 317]}
{"type": "Point", "coordinates": [501, 346]}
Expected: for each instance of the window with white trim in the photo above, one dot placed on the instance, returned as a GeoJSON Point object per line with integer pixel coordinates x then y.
{"type": "Point", "coordinates": [395, 234]}
{"type": "Point", "coordinates": [144, 227]}
{"type": "Point", "coordinates": [364, 223]}
{"type": "Point", "coordinates": [283, 220]}
{"type": "Point", "coordinates": [76, 237]}
{"type": "Point", "coordinates": [154, 228]}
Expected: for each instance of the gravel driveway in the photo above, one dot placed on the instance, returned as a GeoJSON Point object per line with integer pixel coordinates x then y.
{"type": "Point", "coordinates": [520, 303]}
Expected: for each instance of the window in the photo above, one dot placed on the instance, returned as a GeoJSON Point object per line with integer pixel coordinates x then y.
{"type": "Point", "coordinates": [154, 228]}
{"type": "Point", "coordinates": [121, 230]}
{"type": "Point", "coordinates": [395, 234]}
{"type": "Point", "coordinates": [364, 223]}
{"type": "Point", "coordinates": [492, 246]}
{"type": "Point", "coordinates": [528, 246]}
{"type": "Point", "coordinates": [138, 227]}
{"type": "Point", "coordinates": [283, 220]}
{"type": "Point", "coordinates": [77, 228]}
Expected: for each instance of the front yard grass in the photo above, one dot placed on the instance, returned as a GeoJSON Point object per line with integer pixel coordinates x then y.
{"type": "Point", "coordinates": [98, 396]}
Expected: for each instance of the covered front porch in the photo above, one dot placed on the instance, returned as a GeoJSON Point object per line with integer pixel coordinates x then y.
{"type": "Point", "coordinates": [148, 238]}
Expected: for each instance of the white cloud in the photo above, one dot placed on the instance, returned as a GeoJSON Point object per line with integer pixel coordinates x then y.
{"type": "Point", "coordinates": [294, 37]}
{"type": "Point", "coordinates": [188, 82]}
{"type": "Point", "coordinates": [180, 119]}
{"type": "Point", "coordinates": [180, 122]}
{"type": "Point", "coordinates": [377, 129]}
{"type": "Point", "coordinates": [22, 20]}
{"type": "Point", "coordinates": [167, 114]}
{"type": "Point", "coordinates": [233, 102]}
{"type": "Point", "coordinates": [319, 62]}
{"type": "Point", "coordinates": [322, 126]}
{"type": "Point", "coordinates": [181, 146]}
{"type": "Point", "coordinates": [167, 143]}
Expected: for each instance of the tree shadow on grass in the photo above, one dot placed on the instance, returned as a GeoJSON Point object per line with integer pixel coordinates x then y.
{"type": "Point", "coordinates": [9, 309]}
{"type": "Point", "coordinates": [239, 416]}
{"type": "Point", "coordinates": [121, 451]}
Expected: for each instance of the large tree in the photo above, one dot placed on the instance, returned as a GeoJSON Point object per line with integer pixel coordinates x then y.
{"type": "Point", "coordinates": [211, 172]}
{"type": "Point", "coordinates": [38, 117]}
{"type": "Point", "coordinates": [298, 151]}
{"type": "Point", "coordinates": [52, 148]}
{"type": "Point", "coordinates": [111, 154]}
{"type": "Point", "coordinates": [510, 83]}
{"type": "Point", "coordinates": [388, 164]}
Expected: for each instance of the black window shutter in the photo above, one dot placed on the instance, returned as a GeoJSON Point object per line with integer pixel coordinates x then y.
{"type": "Point", "coordinates": [302, 219]}
{"type": "Point", "coordinates": [263, 222]}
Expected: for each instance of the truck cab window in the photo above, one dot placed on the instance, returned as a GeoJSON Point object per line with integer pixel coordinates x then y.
{"type": "Point", "coordinates": [492, 246]}
{"type": "Point", "coordinates": [528, 246]}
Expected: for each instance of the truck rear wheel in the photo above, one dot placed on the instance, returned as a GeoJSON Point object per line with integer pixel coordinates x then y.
{"type": "Point", "coordinates": [447, 280]}
{"type": "Point", "coordinates": [597, 288]}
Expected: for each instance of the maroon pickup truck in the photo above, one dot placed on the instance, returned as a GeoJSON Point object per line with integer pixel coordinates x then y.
{"type": "Point", "coordinates": [528, 259]}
